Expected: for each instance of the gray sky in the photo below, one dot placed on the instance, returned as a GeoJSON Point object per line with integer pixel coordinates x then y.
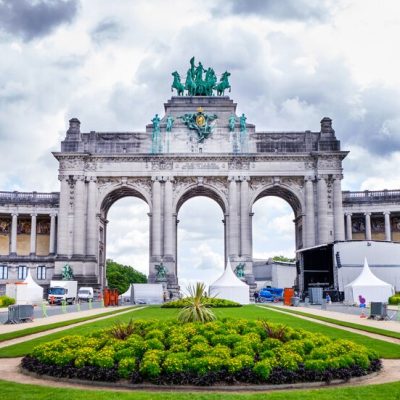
{"type": "Point", "coordinates": [109, 64]}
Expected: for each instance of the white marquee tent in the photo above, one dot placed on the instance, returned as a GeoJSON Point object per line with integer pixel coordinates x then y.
{"type": "Point", "coordinates": [369, 287]}
{"type": "Point", "coordinates": [26, 292]}
{"type": "Point", "coordinates": [228, 286]}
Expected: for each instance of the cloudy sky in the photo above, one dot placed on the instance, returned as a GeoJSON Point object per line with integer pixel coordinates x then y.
{"type": "Point", "coordinates": [109, 64]}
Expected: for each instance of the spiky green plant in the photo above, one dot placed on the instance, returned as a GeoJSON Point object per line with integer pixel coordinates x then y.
{"type": "Point", "coordinates": [196, 310]}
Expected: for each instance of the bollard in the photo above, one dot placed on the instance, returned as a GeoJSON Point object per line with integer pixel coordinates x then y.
{"type": "Point", "coordinates": [78, 306]}
{"type": "Point", "coordinates": [44, 311]}
{"type": "Point", "coordinates": [63, 306]}
{"type": "Point", "coordinates": [90, 304]}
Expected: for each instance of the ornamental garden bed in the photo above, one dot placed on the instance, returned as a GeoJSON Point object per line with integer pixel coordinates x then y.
{"type": "Point", "coordinates": [220, 352]}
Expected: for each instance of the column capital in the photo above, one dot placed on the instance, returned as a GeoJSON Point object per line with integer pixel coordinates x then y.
{"type": "Point", "coordinates": [244, 178]}
{"type": "Point", "coordinates": [33, 214]}
{"type": "Point", "coordinates": [349, 214]}
{"type": "Point", "coordinates": [64, 178]}
{"type": "Point", "coordinates": [14, 213]}
{"type": "Point", "coordinates": [337, 177]}
{"type": "Point", "coordinates": [79, 178]}
{"type": "Point", "coordinates": [309, 178]}
{"type": "Point", "coordinates": [232, 178]}
{"type": "Point", "coordinates": [322, 177]}
{"type": "Point", "coordinates": [53, 214]}
{"type": "Point", "coordinates": [386, 213]}
{"type": "Point", "coordinates": [91, 179]}
{"type": "Point", "coordinates": [156, 178]}
{"type": "Point", "coordinates": [367, 213]}
{"type": "Point", "coordinates": [168, 178]}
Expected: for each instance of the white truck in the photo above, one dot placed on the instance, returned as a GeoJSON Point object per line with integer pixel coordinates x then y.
{"type": "Point", "coordinates": [85, 293]}
{"type": "Point", "coordinates": [63, 290]}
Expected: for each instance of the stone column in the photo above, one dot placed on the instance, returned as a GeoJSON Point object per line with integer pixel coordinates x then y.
{"type": "Point", "coordinates": [33, 234]}
{"type": "Point", "coordinates": [368, 234]}
{"type": "Point", "coordinates": [233, 221]}
{"type": "Point", "coordinates": [310, 213]}
{"type": "Point", "coordinates": [388, 230]}
{"type": "Point", "coordinates": [92, 226]}
{"type": "Point", "coordinates": [322, 211]}
{"type": "Point", "coordinates": [52, 240]}
{"type": "Point", "coordinates": [168, 220]}
{"type": "Point", "coordinates": [338, 219]}
{"type": "Point", "coordinates": [156, 218]}
{"type": "Point", "coordinates": [349, 227]}
{"type": "Point", "coordinates": [79, 216]}
{"type": "Point", "coordinates": [62, 228]}
{"type": "Point", "coordinates": [244, 218]}
{"type": "Point", "coordinates": [14, 223]}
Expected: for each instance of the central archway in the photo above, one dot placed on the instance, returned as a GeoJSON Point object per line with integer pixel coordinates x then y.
{"type": "Point", "coordinates": [126, 238]}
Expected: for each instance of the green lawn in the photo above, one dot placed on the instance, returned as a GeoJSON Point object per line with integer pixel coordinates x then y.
{"type": "Point", "coordinates": [385, 349]}
{"type": "Point", "coordinates": [43, 328]}
{"type": "Point", "coordinates": [389, 391]}
{"type": "Point", "coordinates": [371, 329]}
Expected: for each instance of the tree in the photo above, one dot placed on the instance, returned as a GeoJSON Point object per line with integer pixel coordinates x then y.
{"type": "Point", "coordinates": [121, 276]}
{"type": "Point", "coordinates": [283, 259]}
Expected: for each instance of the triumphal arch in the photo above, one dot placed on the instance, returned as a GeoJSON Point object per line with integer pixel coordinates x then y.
{"type": "Point", "coordinates": [199, 147]}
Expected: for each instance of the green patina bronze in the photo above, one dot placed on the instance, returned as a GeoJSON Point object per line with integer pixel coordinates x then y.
{"type": "Point", "coordinates": [156, 137]}
{"type": "Point", "coordinates": [67, 274]}
{"type": "Point", "coordinates": [199, 122]}
{"type": "Point", "coordinates": [161, 274]}
{"type": "Point", "coordinates": [200, 81]}
{"type": "Point", "coordinates": [232, 122]}
{"type": "Point", "coordinates": [239, 270]}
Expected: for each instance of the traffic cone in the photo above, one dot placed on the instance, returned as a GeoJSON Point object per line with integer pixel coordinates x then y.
{"type": "Point", "coordinates": [363, 314]}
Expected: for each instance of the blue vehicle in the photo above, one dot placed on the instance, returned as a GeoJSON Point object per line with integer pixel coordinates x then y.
{"type": "Point", "coordinates": [270, 294]}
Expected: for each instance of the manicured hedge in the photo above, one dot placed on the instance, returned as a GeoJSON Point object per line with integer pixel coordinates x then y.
{"type": "Point", "coordinates": [207, 301]}
{"type": "Point", "coordinates": [225, 351]}
{"type": "Point", "coordinates": [395, 299]}
{"type": "Point", "coordinates": [6, 301]}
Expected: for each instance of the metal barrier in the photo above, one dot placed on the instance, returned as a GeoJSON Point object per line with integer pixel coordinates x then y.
{"type": "Point", "coordinates": [19, 313]}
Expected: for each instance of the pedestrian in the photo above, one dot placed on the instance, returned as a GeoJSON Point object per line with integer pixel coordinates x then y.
{"type": "Point", "coordinates": [256, 297]}
{"type": "Point", "coordinates": [328, 299]}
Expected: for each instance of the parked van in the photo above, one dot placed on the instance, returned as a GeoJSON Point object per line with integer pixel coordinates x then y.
{"type": "Point", "coordinates": [85, 293]}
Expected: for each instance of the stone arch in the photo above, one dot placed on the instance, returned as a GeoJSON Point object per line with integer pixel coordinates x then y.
{"type": "Point", "coordinates": [293, 196]}
{"type": "Point", "coordinates": [205, 190]}
{"type": "Point", "coordinates": [109, 195]}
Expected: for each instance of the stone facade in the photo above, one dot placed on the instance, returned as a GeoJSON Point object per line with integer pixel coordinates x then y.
{"type": "Point", "coordinates": [235, 168]}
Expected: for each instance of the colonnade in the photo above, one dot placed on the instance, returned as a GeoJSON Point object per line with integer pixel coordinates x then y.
{"type": "Point", "coordinates": [33, 234]}
{"type": "Point", "coordinates": [368, 230]}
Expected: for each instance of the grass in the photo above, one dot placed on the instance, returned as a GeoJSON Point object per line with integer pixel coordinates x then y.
{"type": "Point", "coordinates": [388, 391]}
{"type": "Point", "coordinates": [371, 329]}
{"type": "Point", "coordinates": [44, 328]}
{"type": "Point", "coordinates": [385, 349]}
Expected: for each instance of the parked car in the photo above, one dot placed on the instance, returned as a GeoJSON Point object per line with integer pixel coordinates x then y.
{"type": "Point", "coordinates": [85, 293]}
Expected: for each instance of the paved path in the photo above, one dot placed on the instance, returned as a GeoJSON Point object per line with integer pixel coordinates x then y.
{"type": "Point", "coordinates": [57, 318]}
{"type": "Point", "coordinates": [10, 371]}
{"type": "Point", "coordinates": [345, 328]}
{"type": "Point", "coordinates": [44, 333]}
{"type": "Point", "coordinates": [355, 319]}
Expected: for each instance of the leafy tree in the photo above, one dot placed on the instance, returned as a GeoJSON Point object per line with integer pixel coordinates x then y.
{"type": "Point", "coordinates": [283, 259]}
{"type": "Point", "coordinates": [121, 276]}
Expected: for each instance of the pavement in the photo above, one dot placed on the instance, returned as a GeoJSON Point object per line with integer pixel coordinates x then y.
{"type": "Point", "coordinates": [353, 318]}
{"type": "Point", "coordinates": [58, 318]}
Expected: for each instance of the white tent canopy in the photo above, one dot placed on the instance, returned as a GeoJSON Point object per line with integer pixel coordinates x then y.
{"type": "Point", "coordinates": [26, 292]}
{"type": "Point", "coordinates": [369, 287]}
{"type": "Point", "coordinates": [228, 286]}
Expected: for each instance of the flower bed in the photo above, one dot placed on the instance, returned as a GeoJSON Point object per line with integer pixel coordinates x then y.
{"type": "Point", "coordinates": [226, 351]}
{"type": "Point", "coordinates": [207, 301]}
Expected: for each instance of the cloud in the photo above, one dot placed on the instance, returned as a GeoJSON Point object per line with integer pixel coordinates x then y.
{"type": "Point", "coordinates": [303, 10]}
{"type": "Point", "coordinates": [106, 30]}
{"type": "Point", "coordinates": [28, 19]}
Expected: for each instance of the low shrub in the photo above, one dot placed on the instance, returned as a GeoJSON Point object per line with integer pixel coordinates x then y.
{"type": "Point", "coordinates": [6, 301]}
{"type": "Point", "coordinates": [230, 351]}
{"type": "Point", "coordinates": [210, 302]}
{"type": "Point", "coordinates": [395, 299]}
